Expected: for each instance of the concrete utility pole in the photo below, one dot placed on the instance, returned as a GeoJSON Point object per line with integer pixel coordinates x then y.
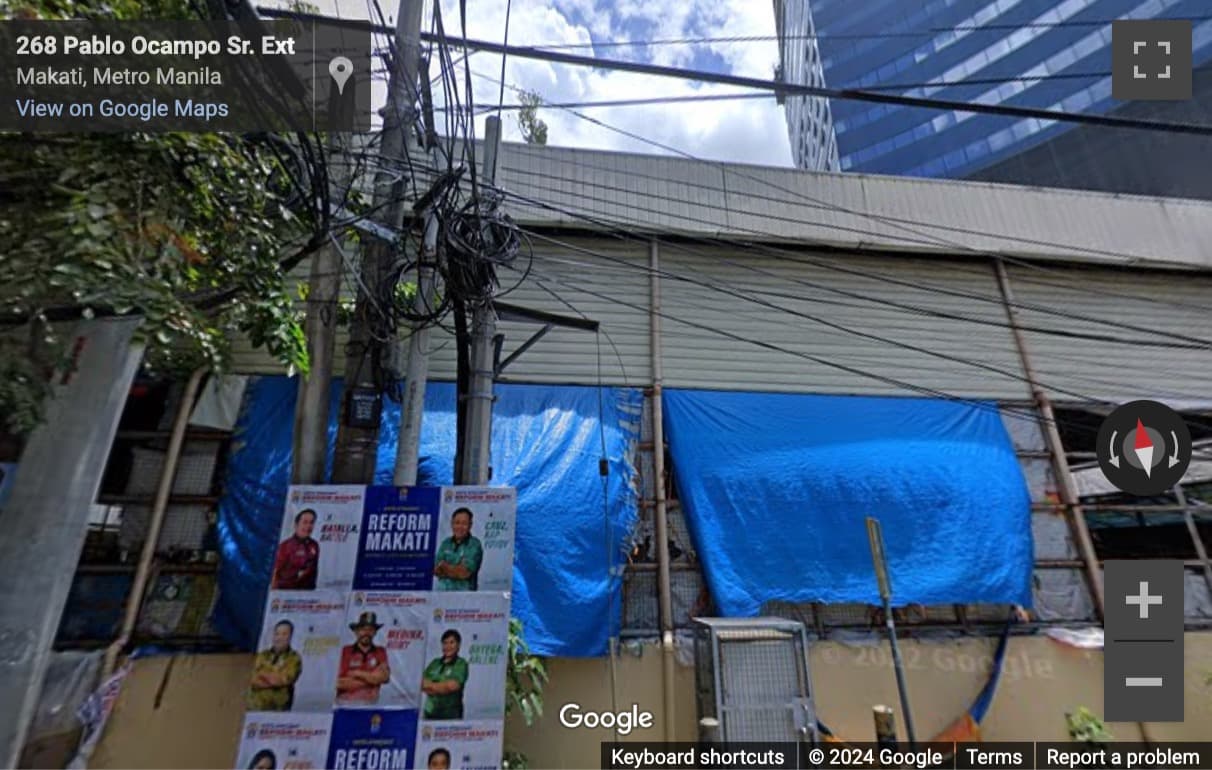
{"type": "Point", "coordinates": [477, 454]}
{"type": "Point", "coordinates": [46, 518]}
{"type": "Point", "coordinates": [416, 376]}
{"type": "Point", "coordinates": [358, 432]}
{"type": "Point", "coordinates": [310, 443]}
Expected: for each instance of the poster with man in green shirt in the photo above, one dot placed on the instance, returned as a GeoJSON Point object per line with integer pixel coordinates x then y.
{"type": "Point", "coordinates": [458, 559]}
{"type": "Point", "coordinates": [445, 679]}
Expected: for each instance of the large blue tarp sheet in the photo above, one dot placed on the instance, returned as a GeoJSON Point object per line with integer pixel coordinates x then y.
{"type": "Point", "coordinates": [777, 488]}
{"type": "Point", "coordinates": [572, 529]}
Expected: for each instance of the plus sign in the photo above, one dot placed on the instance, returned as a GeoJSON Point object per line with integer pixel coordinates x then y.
{"type": "Point", "coordinates": [1143, 600]}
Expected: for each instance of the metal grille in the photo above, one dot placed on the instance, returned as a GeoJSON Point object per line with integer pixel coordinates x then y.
{"type": "Point", "coordinates": [195, 470]}
{"type": "Point", "coordinates": [759, 725]}
{"type": "Point", "coordinates": [752, 676]}
{"type": "Point", "coordinates": [185, 527]}
{"type": "Point", "coordinates": [756, 672]}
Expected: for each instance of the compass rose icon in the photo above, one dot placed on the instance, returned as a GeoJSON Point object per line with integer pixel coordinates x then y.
{"type": "Point", "coordinates": [1144, 448]}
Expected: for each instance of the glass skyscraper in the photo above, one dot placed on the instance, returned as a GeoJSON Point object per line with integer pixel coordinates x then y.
{"type": "Point", "coordinates": [1051, 54]}
{"type": "Point", "coordinates": [809, 121]}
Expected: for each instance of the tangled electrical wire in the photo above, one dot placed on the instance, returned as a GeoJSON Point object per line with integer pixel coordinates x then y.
{"type": "Point", "coordinates": [441, 281]}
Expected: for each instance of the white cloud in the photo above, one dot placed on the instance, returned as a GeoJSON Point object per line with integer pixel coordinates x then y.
{"type": "Point", "coordinates": [751, 131]}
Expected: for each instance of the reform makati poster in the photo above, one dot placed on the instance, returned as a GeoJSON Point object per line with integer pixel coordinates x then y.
{"type": "Point", "coordinates": [465, 745]}
{"type": "Point", "coordinates": [296, 661]}
{"type": "Point", "coordinates": [281, 741]}
{"type": "Point", "coordinates": [384, 638]}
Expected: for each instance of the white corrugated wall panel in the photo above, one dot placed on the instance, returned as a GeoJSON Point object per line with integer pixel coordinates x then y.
{"type": "Point", "coordinates": [714, 340]}
{"type": "Point", "coordinates": [563, 280]}
{"type": "Point", "coordinates": [1163, 308]}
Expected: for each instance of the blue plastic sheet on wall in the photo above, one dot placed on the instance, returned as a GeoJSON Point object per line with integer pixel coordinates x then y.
{"type": "Point", "coordinates": [573, 525]}
{"type": "Point", "coordinates": [776, 490]}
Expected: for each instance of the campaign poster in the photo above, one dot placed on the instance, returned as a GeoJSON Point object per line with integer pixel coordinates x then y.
{"type": "Point", "coordinates": [462, 745]}
{"type": "Point", "coordinates": [296, 662]}
{"type": "Point", "coordinates": [475, 539]}
{"type": "Point", "coordinates": [383, 650]}
{"type": "Point", "coordinates": [372, 739]}
{"type": "Point", "coordinates": [464, 674]}
{"type": "Point", "coordinates": [318, 545]}
{"type": "Point", "coordinates": [399, 528]}
{"type": "Point", "coordinates": [284, 742]}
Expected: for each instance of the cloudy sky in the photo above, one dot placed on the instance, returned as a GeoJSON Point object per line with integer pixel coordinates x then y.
{"type": "Point", "coordinates": [751, 130]}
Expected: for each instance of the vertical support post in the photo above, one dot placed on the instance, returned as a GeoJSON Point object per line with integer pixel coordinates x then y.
{"type": "Point", "coordinates": [477, 451]}
{"type": "Point", "coordinates": [416, 376]}
{"type": "Point", "coordinates": [46, 515]}
{"type": "Point", "coordinates": [477, 459]}
{"type": "Point", "coordinates": [358, 441]}
{"type": "Point", "coordinates": [1060, 463]}
{"type": "Point", "coordinates": [885, 726]}
{"type": "Point", "coordinates": [876, 538]}
{"type": "Point", "coordinates": [164, 489]}
{"type": "Point", "coordinates": [664, 586]}
{"type": "Point", "coordinates": [1196, 539]}
{"type": "Point", "coordinates": [310, 442]}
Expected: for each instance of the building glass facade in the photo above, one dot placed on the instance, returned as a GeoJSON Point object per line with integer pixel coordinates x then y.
{"type": "Point", "coordinates": [809, 119]}
{"type": "Point", "coordinates": [1050, 54]}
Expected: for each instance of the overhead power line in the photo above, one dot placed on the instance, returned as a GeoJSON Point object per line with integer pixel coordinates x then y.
{"type": "Point", "coordinates": [683, 99]}
{"type": "Point", "coordinates": [601, 220]}
{"type": "Point", "coordinates": [788, 89]}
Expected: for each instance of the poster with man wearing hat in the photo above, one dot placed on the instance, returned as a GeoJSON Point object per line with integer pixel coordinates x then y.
{"type": "Point", "coordinates": [319, 540]}
{"type": "Point", "coordinates": [397, 632]}
{"type": "Point", "coordinates": [464, 676]}
{"type": "Point", "coordinates": [296, 661]}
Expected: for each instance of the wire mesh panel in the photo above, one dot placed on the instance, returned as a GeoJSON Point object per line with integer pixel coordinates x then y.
{"type": "Point", "coordinates": [758, 671]}
{"type": "Point", "coordinates": [753, 680]}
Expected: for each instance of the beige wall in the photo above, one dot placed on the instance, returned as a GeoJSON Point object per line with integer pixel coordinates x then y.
{"type": "Point", "coordinates": [185, 712]}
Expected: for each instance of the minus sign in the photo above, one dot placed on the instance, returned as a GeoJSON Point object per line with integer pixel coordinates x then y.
{"type": "Point", "coordinates": [1142, 681]}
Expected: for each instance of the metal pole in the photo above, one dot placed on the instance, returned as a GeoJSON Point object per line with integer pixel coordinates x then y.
{"type": "Point", "coordinates": [1060, 462]}
{"type": "Point", "coordinates": [876, 538]}
{"type": "Point", "coordinates": [665, 597]}
{"type": "Point", "coordinates": [1196, 539]}
{"type": "Point", "coordinates": [46, 516]}
{"type": "Point", "coordinates": [477, 451]}
{"type": "Point", "coordinates": [310, 443]}
{"type": "Point", "coordinates": [358, 444]}
{"type": "Point", "coordinates": [164, 489]}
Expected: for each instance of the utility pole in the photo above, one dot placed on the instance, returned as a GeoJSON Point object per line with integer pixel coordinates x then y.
{"type": "Point", "coordinates": [477, 455]}
{"type": "Point", "coordinates": [310, 443]}
{"type": "Point", "coordinates": [416, 376]}
{"type": "Point", "coordinates": [358, 431]}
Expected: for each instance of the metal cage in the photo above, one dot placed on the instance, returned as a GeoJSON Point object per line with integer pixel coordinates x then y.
{"type": "Point", "coordinates": [752, 680]}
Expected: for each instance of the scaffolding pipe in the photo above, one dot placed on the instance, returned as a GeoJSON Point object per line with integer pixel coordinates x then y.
{"type": "Point", "coordinates": [1196, 539]}
{"type": "Point", "coordinates": [1068, 488]}
{"type": "Point", "coordinates": [664, 588]}
{"type": "Point", "coordinates": [168, 473]}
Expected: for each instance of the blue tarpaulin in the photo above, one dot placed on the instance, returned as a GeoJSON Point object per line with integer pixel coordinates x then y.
{"type": "Point", "coordinates": [777, 488]}
{"type": "Point", "coordinates": [547, 440]}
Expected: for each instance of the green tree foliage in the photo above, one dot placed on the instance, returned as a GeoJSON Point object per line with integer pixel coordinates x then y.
{"type": "Point", "coordinates": [525, 676]}
{"type": "Point", "coordinates": [192, 232]}
{"type": "Point", "coordinates": [534, 130]}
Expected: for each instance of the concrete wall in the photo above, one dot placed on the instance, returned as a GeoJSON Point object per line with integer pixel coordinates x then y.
{"type": "Point", "coordinates": [186, 712]}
